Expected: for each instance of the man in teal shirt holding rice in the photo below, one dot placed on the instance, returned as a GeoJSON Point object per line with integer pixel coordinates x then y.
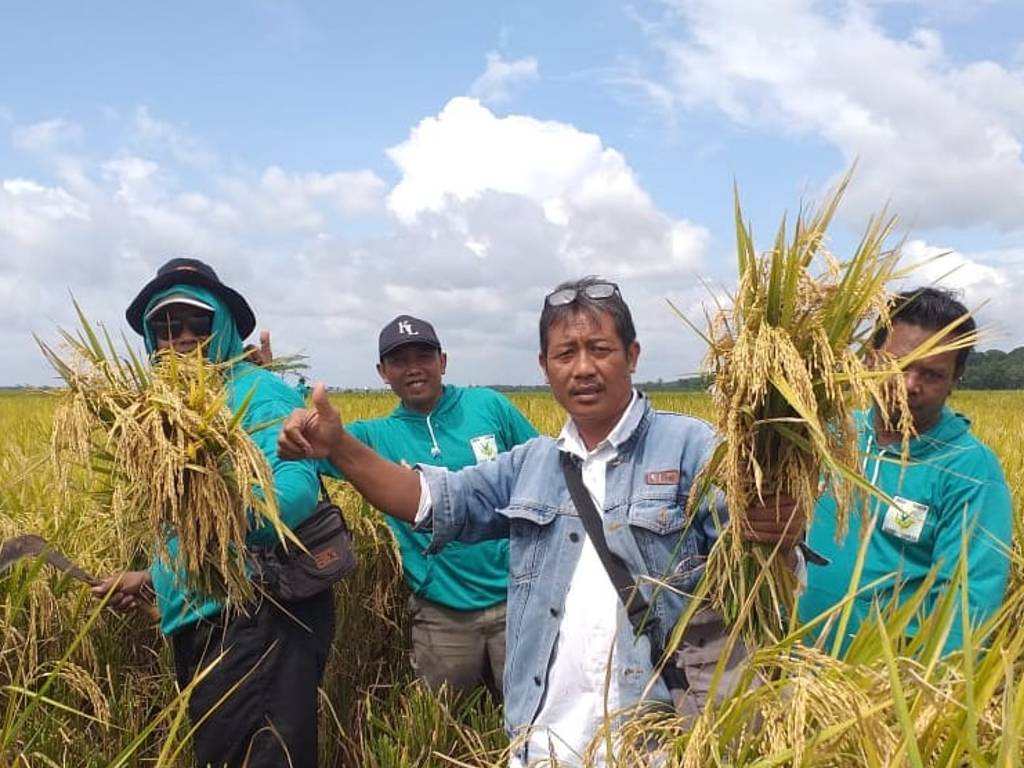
{"type": "Point", "coordinates": [457, 606]}
{"type": "Point", "coordinates": [951, 483]}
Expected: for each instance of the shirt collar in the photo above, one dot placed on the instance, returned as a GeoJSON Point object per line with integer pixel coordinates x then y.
{"type": "Point", "coordinates": [447, 394]}
{"type": "Point", "coordinates": [569, 438]}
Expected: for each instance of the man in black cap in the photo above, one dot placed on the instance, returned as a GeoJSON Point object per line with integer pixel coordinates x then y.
{"type": "Point", "coordinates": [257, 704]}
{"type": "Point", "coordinates": [457, 606]}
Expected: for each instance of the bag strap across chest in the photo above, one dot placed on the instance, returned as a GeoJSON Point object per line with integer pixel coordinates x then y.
{"type": "Point", "coordinates": [637, 607]}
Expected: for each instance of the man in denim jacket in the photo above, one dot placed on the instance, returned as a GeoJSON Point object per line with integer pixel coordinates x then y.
{"type": "Point", "coordinates": [565, 619]}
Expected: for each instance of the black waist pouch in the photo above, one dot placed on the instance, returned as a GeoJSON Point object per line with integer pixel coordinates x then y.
{"type": "Point", "coordinates": [288, 573]}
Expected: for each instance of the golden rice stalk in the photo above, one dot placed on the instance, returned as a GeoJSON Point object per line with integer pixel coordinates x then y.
{"type": "Point", "coordinates": [825, 707]}
{"type": "Point", "coordinates": [173, 458]}
{"type": "Point", "coordinates": [788, 365]}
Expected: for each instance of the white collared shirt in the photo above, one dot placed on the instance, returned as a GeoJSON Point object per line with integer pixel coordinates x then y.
{"type": "Point", "coordinates": [574, 703]}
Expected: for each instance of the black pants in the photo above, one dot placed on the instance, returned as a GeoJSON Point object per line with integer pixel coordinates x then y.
{"type": "Point", "coordinates": [269, 673]}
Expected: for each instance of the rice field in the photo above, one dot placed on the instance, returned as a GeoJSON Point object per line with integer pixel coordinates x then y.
{"type": "Point", "coordinates": [81, 687]}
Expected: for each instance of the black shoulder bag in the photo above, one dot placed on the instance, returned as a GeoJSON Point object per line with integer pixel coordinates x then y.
{"type": "Point", "coordinates": [289, 574]}
{"type": "Point", "coordinates": [629, 591]}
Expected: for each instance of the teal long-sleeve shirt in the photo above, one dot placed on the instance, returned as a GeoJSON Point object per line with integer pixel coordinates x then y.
{"type": "Point", "coordinates": [952, 482]}
{"type": "Point", "coordinates": [468, 425]}
{"type": "Point", "coordinates": [295, 484]}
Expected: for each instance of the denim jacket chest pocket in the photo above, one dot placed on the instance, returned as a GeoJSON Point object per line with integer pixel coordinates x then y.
{"type": "Point", "coordinates": [528, 523]}
{"type": "Point", "coordinates": [670, 550]}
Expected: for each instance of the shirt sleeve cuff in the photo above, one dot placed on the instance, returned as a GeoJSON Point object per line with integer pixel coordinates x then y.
{"type": "Point", "coordinates": [426, 503]}
{"type": "Point", "coordinates": [800, 570]}
{"type": "Point", "coordinates": [804, 555]}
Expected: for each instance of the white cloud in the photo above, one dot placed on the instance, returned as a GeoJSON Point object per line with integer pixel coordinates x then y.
{"type": "Point", "coordinates": [942, 140]}
{"type": "Point", "coordinates": [463, 161]}
{"type": "Point", "coordinates": [348, 193]}
{"type": "Point", "coordinates": [45, 136]}
{"type": "Point", "coordinates": [495, 84]}
{"type": "Point", "coordinates": [488, 214]}
{"type": "Point", "coordinates": [32, 213]}
{"type": "Point", "coordinates": [947, 10]}
{"type": "Point", "coordinates": [492, 213]}
{"type": "Point", "coordinates": [150, 131]}
{"type": "Point", "coordinates": [988, 283]}
{"type": "Point", "coordinates": [283, 201]}
{"type": "Point", "coordinates": [653, 94]}
{"type": "Point", "coordinates": [137, 179]}
{"type": "Point", "coordinates": [466, 149]}
{"type": "Point", "coordinates": [953, 269]}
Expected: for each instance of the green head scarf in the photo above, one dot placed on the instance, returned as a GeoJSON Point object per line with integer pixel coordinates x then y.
{"type": "Point", "coordinates": [225, 342]}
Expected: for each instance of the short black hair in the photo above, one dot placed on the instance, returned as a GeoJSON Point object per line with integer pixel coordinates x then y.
{"type": "Point", "coordinates": [614, 305]}
{"type": "Point", "coordinates": [932, 309]}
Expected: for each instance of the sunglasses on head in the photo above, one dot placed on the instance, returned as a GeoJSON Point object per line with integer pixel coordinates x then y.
{"type": "Point", "coordinates": [167, 328]}
{"type": "Point", "coordinates": [596, 291]}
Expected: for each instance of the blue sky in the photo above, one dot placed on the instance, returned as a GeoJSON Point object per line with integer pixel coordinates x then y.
{"type": "Point", "coordinates": [343, 163]}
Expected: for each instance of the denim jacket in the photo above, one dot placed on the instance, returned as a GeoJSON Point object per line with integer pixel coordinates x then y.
{"type": "Point", "coordinates": [522, 495]}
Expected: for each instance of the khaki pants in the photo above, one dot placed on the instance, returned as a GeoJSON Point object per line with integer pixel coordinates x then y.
{"type": "Point", "coordinates": [463, 649]}
{"type": "Point", "coordinates": [704, 643]}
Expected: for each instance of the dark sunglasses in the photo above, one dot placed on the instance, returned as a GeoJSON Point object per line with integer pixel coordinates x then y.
{"type": "Point", "coordinates": [596, 291]}
{"type": "Point", "coordinates": [167, 328]}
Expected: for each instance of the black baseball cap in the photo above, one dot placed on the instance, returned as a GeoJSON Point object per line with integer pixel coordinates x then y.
{"type": "Point", "coordinates": [406, 329]}
{"type": "Point", "coordinates": [186, 271]}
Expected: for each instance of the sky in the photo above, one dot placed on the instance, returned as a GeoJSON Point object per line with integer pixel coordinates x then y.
{"type": "Point", "coordinates": [343, 163]}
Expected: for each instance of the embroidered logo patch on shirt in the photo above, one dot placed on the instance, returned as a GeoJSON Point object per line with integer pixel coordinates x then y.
{"type": "Point", "coordinates": [485, 447]}
{"type": "Point", "coordinates": [905, 519]}
{"type": "Point", "coordinates": [665, 477]}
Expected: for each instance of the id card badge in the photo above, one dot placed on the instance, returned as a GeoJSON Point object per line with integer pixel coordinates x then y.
{"type": "Point", "coordinates": [905, 519]}
{"type": "Point", "coordinates": [485, 447]}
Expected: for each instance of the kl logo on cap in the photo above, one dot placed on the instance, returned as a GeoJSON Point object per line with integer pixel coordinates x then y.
{"type": "Point", "coordinates": [404, 326]}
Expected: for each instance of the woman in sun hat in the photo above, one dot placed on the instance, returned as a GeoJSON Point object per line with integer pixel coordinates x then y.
{"type": "Point", "coordinates": [273, 658]}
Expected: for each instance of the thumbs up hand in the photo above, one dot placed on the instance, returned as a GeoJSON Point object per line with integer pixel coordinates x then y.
{"type": "Point", "coordinates": [310, 433]}
{"type": "Point", "coordinates": [262, 355]}
{"type": "Point", "coordinates": [265, 351]}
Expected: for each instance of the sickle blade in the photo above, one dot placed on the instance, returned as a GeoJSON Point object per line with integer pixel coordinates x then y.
{"type": "Point", "coordinates": [18, 548]}
{"type": "Point", "coordinates": [30, 545]}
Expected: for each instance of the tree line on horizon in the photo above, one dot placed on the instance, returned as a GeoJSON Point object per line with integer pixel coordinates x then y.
{"type": "Point", "coordinates": [991, 369]}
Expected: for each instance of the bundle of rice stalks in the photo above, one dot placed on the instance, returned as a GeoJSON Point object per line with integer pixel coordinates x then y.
{"type": "Point", "coordinates": [789, 366]}
{"type": "Point", "coordinates": [170, 455]}
{"type": "Point", "coordinates": [893, 700]}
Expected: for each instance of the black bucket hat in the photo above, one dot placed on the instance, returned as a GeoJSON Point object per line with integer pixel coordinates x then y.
{"type": "Point", "coordinates": [184, 271]}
